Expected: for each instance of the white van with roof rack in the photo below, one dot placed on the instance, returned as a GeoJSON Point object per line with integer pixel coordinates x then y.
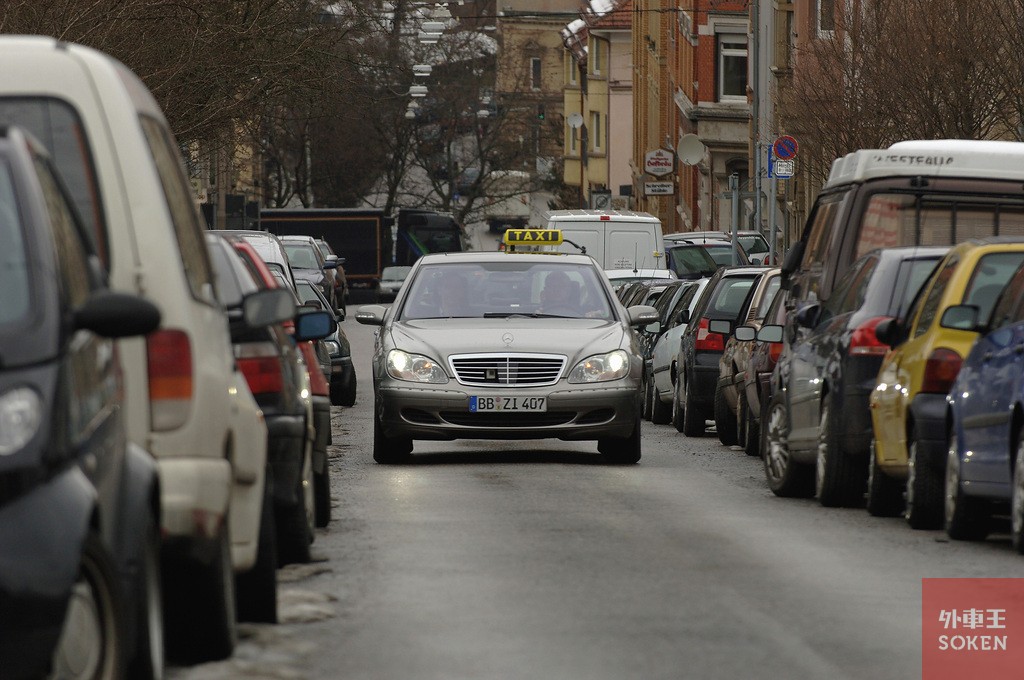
{"type": "Point", "coordinates": [922, 192]}
{"type": "Point", "coordinates": [616, 239]}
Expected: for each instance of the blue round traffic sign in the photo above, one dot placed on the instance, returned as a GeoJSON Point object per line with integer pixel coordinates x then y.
{"type": "Point", "coordinates": [785, 148]}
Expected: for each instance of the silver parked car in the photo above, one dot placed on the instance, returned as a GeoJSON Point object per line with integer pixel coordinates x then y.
{"type": "Point", "coordinates": [504, 345]}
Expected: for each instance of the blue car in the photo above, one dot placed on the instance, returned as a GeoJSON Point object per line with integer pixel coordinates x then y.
{"type": "Point", "coordinates": [985, 465]}
{"type": "Point", "coordinates": [80, 590]}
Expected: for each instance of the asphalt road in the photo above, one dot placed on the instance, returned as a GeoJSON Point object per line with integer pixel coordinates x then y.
{"type": "Point", "coordinates": [534, 560]}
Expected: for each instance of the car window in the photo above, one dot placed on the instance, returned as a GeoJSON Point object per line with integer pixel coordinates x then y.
{"type": "Point", "coordinates": [72, 262]}
{"type": "Point", "coordinates": [721, 254]}
{"type": "Point", "coordinates": [774, 283]}
{"type": "Point", "coordinates": [14, 278]}
{"type": "Point", "coordinates": [753, 245]}
{"type": "Point", "coordinates": [181, 206]}
{"type": "Point", "coordinates": [928, 304]}
{"type": "Point", "coordinates": [729, 297]}
{"type": "Point", "coordinates": [691, 260]}
{"type": "Point", "coordinates": [56, 124]}
{"type": "Point", "coordinates": [988, 280]}
{"type": "Point", "coordinates": [507, 288]}
{"type": "Point", "coordinates": [226, 284]}
{"type": "Point", "coordinates": [301, 255]}
{"type": "Point", "coordinates": [910, 276]}
{"type": "Point", "coordinates": [1009, 308]}
{"type": "Point", "coordinates": [851, 289]}
{"type": "Point", "coordinates": [824, 236]}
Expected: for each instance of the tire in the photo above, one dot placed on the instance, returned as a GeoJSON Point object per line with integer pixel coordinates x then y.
{"type": "Point", "coordinates": [751, 440]}
{"type": "Point", "coordinates": [256, 589]}
{"type": "Point", "coordinates": [785, 477]}
{"type": "Point", "coordinates": [885, 495]}
{"type": "Point", "coordinates": [838, 479]}
{"type": "Point", "coordinates": [693, 419]}
{"type": "Point", "coordinates": [1017, 499]}
{"type": "Point", "coordinates": [91, 644]}
{"type": "Point", "coordinates": [200, 605]}
{"type": "Point", "coordinates": [348, 390]}
{"type": "Point", "coordinates": [661, 413]}
{"type": "Point", "coordinates": [322, 496]}
{"type": "Point", "coordinates": [295, 523]}
{"type": "Point", "coordinates": [148, 658]}
{"type": "Point", "coordinates": [923, 509]}
{"type": "Point", "coordinates": [677, 405]}
{"type": "Point", "coordinates": [966, 518]}
{"type": "Point", "coordinates": [389, 451]}
{"type": "Point", "coordinates": [622, 451]}
{"type": "Point", "coordinates": [725, 419]}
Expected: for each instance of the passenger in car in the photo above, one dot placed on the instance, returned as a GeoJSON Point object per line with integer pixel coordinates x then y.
{"type": "Point", "coordinates": [451, 293]}
{"type": "Point", "coordinates": [560, 295]}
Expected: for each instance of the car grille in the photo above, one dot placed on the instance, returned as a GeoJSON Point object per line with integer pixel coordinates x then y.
{"type": "Point", "coordinates": [506, 419]}
{"type": "Point", "coordinates": [512, 370]}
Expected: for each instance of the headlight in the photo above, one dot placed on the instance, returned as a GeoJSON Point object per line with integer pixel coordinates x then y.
{"type": "Point", "coordinates": [20, 414]}
{"type": "Point", "coordinates": [601, 367]}
{"type": "Point", "coordinates": [414, 367]}
{"type": "Point", "coordinates": [332, 347]}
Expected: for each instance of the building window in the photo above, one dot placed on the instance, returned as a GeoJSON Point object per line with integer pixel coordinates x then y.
{"type": "Point", "coordinates": [732, 67]}
{"type": "Point", "coordinates": [570, 69]}
{"type": "Point", "coordinates": [594, 56]}
{"type": "Point", "coordinates": [826, 15]}
{"type": "Point", "coordinates": [573, 141]}
{"type": "Point", "coordinates": [595, 130]}
{"type": "Point", "coordinates": [535, 73]}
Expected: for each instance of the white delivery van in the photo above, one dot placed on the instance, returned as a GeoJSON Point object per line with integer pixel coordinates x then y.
{"type": "Point", "coordinates": [617, 240]}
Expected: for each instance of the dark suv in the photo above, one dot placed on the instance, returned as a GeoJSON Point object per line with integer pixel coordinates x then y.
{"type": "Point", "coordinates": [700, 349]}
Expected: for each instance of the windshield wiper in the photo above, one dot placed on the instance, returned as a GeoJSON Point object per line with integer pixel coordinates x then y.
{"type": "Point", "coordinates": [526, 315]}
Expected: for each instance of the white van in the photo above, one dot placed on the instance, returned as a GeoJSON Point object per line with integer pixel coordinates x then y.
{"type": "Point", "coordinates": [617, 240]}
{"type": "Point", "coordinates": [184, 401]}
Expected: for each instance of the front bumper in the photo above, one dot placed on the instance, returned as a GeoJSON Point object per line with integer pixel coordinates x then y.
{"type": "Point", "coordinates": [574, 412]}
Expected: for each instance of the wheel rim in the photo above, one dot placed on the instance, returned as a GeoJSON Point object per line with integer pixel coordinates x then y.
{"type": "Point", "coordinates": [911, 479]}
{"type": "Point", "coordinates": [1017, 516]}
{"type": "Point", "coordinates": [307, 493]}
{"type": "Point", "coordinates": [952, 482]}
{"type": "Point", "coordinates": [778, 453]}
{"type": "Point", "coordinates": [86, 648]}
{"type": "Point", "coordinates": [821, 459]}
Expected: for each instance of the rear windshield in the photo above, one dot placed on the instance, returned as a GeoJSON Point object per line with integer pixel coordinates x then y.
{"type": "Point", "coordinates": [691, 260]}
{"type": "Point", "coordinates": [728, 297]}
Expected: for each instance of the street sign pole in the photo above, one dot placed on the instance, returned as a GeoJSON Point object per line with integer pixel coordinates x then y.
{"type": "Point", "coordinates": [772, 190]}
{"type": "Point", "coordinates": [734, 187]}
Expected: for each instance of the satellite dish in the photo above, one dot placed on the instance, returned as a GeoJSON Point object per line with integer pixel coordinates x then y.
{"type": "Point", "coordinates": [575, 120]}
{"type": "Point", "coordinates": [690, 150]}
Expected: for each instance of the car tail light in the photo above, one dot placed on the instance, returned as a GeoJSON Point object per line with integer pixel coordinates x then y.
{"type": "Point", "coordinates": [863, 342]}
{"type": "Point", "coordinates": [774, 351]}
{"type": "Point", "coordinates": [169, 364]}
{"type": "Point", "coordinates": [708, 341]}
{"type": "Point", "coordinates": [260, 363]}
{"type": "Point", "coordinates": [940, 370]}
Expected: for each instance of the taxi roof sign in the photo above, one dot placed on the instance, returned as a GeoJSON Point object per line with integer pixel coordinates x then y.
{"type": "Point", "coordinates": [533, 237]}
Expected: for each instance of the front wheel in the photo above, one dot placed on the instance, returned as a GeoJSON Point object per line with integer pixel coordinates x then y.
{"type": "Point", "coordinates": [924, 490]}
{"type": "Point", "coordinates": [661, 413]}
{"type": "Point", "coordinates": [885, 497]}
{"type": "Point", "coordinates": [1017, 499]}
{"type": "Point", "coordinates": [725, 419]}
{"type": "Point", "coordinates": [148, 660]}
{"type": "Point", "coordinates": [91, 642]}
{"type": "Point", "coordinates": [751, 429]}
{"type": "Point", "coordinates": [967, 519]}
{"type": "Point", "coordinates": [622, 451]}
{"type": "Point", "coordinates": [693, 420]}
{"type": "Point", "coordinates": [785, 476]}
{"type": "Point", "coordinates": [838, 480]}
{"type": "Point", "coordinates": [256, 589]}
{"type": "Point", "coordinates": [677, 405]}
{"type": "Point", "coordinates": [387, 450]}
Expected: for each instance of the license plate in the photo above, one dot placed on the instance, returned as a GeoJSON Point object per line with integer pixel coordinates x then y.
{"type": "Point", "coordinates": [481, 404]}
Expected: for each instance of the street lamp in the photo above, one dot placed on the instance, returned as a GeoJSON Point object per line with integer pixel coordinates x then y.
{"type": "Point", "coordinates": [422, 69]}
{"type": "Point", "coordinates": [429, 38]}
{"type": "Point", "coordinates": [418, 91]}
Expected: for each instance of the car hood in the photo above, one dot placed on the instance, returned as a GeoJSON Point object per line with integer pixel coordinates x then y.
{"type": "Point", "coordinates": [574, 338]}
{"type": "Point", "coordinates": [314, 276]}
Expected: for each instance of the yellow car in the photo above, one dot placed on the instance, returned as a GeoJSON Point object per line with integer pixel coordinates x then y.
{"type": "Point", "coordinates": [908, 404]}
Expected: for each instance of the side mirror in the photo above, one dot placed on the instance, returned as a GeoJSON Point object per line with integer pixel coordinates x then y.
{"type": "Point", "coordinates": [770, 333]}
{"type": "Point", "coordinates": [792, 262]}
{"type": "Point", "coordinates": [314, 325]}
{"type": "Point", "coordinates": [371, 315]}
{"type": "Point", "coordinates": [890, 331]}
{"type": "Point", "coordinates": [808, 316]}
{"type": "Point", "coordinates": [960, 317]}
{"type": "Point", "coordinates": [653, 328]}
{"type": "Point", "coordinates": [266, 307]}
{"type": "Point", "coordinates": [641, 315]}
{"type": "Point", "coordinates": [117, 315]}
{"type": "Point", "coordinates": [330, 265]}
{"type": "Point", "coordinates": [745, 333]}
{"type": "Point", "coordinates": [720, 326]}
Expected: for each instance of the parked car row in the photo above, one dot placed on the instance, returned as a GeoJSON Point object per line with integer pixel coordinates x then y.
{"type": "Point", "coordinates": [165, 419]}
{"type": "Point", "coordinates": [882, 369]}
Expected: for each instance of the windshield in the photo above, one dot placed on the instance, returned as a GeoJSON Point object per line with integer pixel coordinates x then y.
{"type": "Point", "coordinates": [503, 289]}
{"type": "Point", "coordinates": [692, 261]}
{"type": "Point", "coordinates": [14, 280]}
{"type": "Point", "coordinates": [301, 256]}
{"type": "Point", "coordinates": [753, 245]}
{"type": "Point", "coordinates": [721, 254]}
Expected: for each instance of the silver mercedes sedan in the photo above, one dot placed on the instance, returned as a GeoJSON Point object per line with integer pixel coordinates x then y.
{"type": "Point", "coordinates": [505, 345]}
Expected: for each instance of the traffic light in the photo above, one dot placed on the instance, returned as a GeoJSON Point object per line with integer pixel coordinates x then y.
{"type": "Point", "coordinates": [540, 112]}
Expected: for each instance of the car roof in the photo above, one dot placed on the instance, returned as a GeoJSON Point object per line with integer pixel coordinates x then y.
{"type": "Point", "coordinates": [503, 256]}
